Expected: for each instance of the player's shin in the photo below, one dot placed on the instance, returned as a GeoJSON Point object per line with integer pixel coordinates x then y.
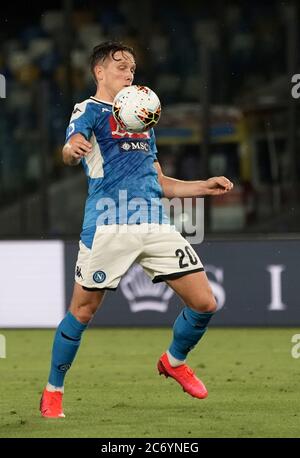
{"type": "Point", "coordinates": [188, 329]}
{"type": "Point", "coordinates": [66, 343]}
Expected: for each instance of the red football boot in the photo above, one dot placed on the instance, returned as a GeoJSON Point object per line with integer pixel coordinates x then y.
{"type": "Point", "coordinates": [184, 375]}
{"type": "Point", "coordinates": [51, 404]}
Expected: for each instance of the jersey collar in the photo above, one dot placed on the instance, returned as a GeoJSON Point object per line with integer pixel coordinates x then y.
{"type": "Point", "coordinates": [101, 101]}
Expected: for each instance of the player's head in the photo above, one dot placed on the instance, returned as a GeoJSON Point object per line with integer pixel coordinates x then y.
{"type": "Point", "coordinates": [113, 66]}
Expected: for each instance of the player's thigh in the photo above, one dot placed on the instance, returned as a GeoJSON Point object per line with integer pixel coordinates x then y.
{"type": "Point", "coordinates": [112, 253]}
{"type": "Point", "coordinates": [84, 304]}
{"type": "Point", "coordinates": [195, 291]}
{"type": "Point", "coordinates": [166, 254]}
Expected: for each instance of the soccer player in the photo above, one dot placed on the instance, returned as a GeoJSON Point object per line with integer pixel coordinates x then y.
{"type": "Point", "coordinates": [116, 161]}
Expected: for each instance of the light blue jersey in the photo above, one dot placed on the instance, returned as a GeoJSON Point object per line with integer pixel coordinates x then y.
{"type": "Point", "coordinates": [123, 185]}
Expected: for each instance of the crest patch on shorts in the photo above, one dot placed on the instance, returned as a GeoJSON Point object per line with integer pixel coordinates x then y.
{"type": "Point", "coordinates": [99, 276]}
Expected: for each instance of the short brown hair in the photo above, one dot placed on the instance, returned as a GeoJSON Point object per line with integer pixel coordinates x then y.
{"type": "Point", "coordinates": [106, 49]}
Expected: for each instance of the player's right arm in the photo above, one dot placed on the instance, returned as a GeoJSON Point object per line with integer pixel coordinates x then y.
{"type": "Point", "coordinates": [75, 148]}
{"type": "Point", "coordinates": [79, 131]}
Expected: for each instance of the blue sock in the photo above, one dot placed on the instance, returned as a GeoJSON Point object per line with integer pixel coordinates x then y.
{"type": "Point", "coordinates": [66, 343]}
{"type": "Point", "coordinates": [188, 329]}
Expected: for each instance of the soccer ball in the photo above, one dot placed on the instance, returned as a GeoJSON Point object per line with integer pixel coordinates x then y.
{"type": "Point", "coordinates": [136, 108]}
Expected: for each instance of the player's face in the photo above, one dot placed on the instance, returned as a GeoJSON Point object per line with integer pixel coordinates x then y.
{"type": "Point", "coordinates": [116, 73]}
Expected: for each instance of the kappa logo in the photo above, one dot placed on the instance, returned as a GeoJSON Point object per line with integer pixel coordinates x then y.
{"type": "Point", "coordinates": [99, 276]}
{"type": "Point", "coordinates": [142, 294]}
{"type": "Point", "coordinates": [78, 272]}
{"type": "Point", "coordinates": [135, 146]}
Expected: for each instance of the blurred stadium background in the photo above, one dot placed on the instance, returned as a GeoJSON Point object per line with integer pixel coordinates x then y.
{"type": "Point", "coordinates": [223, 72]}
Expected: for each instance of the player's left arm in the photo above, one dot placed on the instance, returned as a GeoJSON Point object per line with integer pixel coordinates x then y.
{"type": "Point", "coordinates": [172, 187]}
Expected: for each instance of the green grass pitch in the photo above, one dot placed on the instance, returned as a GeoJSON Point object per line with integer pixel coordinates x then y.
{"type": "Point", "coordinates": [113, 389]}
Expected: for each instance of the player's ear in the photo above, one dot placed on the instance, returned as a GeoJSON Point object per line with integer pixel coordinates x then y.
{"type": "Point", "coordinates": [98, 71]}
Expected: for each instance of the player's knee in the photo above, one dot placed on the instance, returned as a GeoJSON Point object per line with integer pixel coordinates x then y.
{"type": "Point", "coordinates": [84, 312]}
{"type": "Point", "coordinates": [205, 305]}
{"type": "Point", "coordinates": [210, 306]}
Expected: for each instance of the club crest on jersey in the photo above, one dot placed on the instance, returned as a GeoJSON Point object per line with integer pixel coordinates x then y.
{"type": "Point", "coordinates": [134, 146]}
{"type": "Point", "coordinates": [117, 132]}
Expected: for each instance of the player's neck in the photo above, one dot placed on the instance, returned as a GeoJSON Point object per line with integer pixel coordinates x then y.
{"type": "Point", "coordinates": [104, 95]}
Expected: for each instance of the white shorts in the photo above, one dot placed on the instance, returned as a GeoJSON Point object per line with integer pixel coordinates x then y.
{"type": "Point", "coordinates": [161, 251]}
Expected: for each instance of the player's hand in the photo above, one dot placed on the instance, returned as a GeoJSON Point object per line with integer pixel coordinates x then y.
{"type": "Point", "coordinates": [217, 186]}
{"type": "Point", "coordinates": [78, 147]}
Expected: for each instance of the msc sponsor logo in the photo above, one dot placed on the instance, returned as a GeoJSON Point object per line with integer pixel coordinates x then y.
{"type": "Point", "coordinates": [135, 146]}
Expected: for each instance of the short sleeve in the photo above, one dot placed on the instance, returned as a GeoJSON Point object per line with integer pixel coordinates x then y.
{"type": "Point", "coordinates": [82, 121]}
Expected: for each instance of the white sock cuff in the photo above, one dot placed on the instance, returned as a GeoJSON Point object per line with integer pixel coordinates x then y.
{"type": "Point", "coordinates": [53, 388]}
{"type": "Point", "coordinates": [174, 362]}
